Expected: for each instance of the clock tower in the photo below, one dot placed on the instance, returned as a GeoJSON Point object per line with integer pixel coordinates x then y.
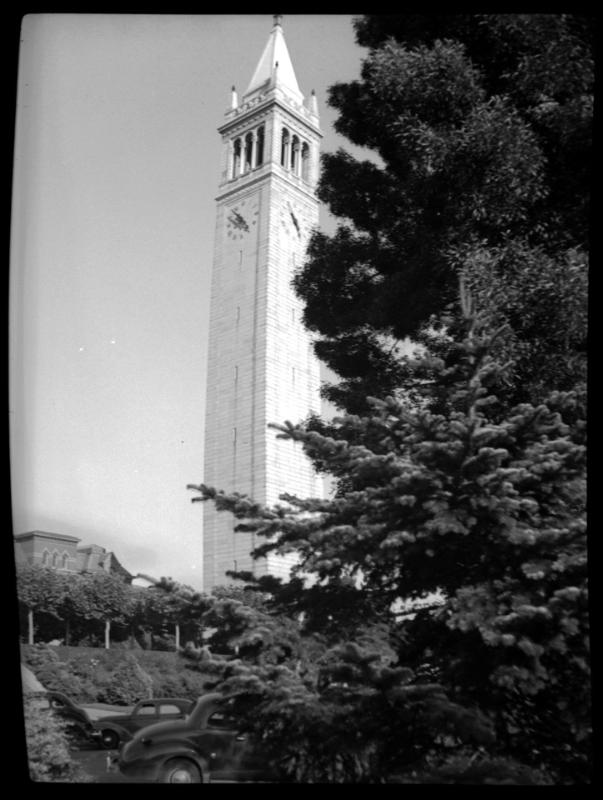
{"type": "Point", "coordinates": [261, 366]}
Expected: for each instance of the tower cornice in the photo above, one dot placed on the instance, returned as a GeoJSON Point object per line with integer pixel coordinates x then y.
{"type": "Point", "coordinates": [240, 115]}
{"type": "Point", "coordinates": [266, 172]}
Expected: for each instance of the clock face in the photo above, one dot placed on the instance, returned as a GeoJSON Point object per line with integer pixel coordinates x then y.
{"type": "Point", "coordinates": [241, 218]}
{"type": "Point", "coordinates": [292, 220]}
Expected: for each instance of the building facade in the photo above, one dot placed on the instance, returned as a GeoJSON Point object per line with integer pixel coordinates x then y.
{"type": "Point", "coordinates": [64, 553]}
{"type": "Point", "coordinates": [261, 366]}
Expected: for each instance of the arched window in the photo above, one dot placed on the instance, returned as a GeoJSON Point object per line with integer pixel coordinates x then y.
{"type": "Point", "coordinates": [285, 148]}
{"type": "Point", "coordinates": [64, 561]}
{"type": "Point", "coordinates": [305, 158]}
{"type": "Point", "coordinates": [45, 558]}
{"type": "Point", "coordinates": [55, 560]}
{"type": "Point", "coordinates": [236, 158]}
{"type": "Point", "coordinates": [259, 153]}
{"type": "Point", "coordinates": [295, 155]}
{"type": "Point", "coordinates": [248, 152]}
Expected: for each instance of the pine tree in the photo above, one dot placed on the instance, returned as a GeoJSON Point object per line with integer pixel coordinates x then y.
{"type": "Point", "coordinates": [480, 129]}
{"type": "Point", "coordinates": [451, 499]}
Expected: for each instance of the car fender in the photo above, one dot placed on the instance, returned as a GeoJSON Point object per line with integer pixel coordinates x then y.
{"type": "Point", "coordinates": [183, 752]}
{"type": "Point", "coordinates": [122, 732]}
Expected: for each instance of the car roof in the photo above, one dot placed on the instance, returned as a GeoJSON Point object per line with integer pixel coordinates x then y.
{"type": "Point", "coordinates": [166, 700]}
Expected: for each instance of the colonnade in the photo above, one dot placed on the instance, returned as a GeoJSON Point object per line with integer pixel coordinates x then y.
{"type": "Point", "coordinates": [247, 153]}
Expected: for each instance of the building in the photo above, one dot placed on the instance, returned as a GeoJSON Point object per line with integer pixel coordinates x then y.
{"type": "Point", "coordinates": [65, 554]}
{"type": "Point", "coordinates": [261, 366]}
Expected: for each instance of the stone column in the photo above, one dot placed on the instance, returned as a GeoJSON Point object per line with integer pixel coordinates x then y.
{"type": "Point", "coordinates": [254, 148]}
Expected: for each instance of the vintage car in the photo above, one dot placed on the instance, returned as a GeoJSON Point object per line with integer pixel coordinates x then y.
{"type": "Point", "coordinates": [206, 746]}
{"type": "Point", "coordinates": [117, 728]}
{"type": "Point", "coordinates": [78, 725]}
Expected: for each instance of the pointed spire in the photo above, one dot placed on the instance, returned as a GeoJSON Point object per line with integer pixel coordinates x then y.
{"type": "Point", "coordinates": [276, 52]}
{"type": "Point", "coordinates": [313, 103]}
{"type": "Point", "coordinates": [234, 100]}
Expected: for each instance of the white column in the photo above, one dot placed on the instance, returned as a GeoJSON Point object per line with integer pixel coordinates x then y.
{"type": "Point", "coordinates": [287, 164]}
{"type": "Point", "coordinates": [254, 147]}
{"type": "Point", "coordinates": [229, 159]}
{"type": "Point", "coordinates": [242, 156]}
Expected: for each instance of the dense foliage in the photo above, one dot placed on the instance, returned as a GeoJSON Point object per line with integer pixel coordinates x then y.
{"type": "Point", "coordinates": [117, 676]}
{"type": "Point", "coordinates": [480, 132]}
{"type": "Point", "coordinates": [452, 498]}
{"type": "Point", "coordinates": [456, 539]}
{"type": "Point", "coordinates": [74, 607]}
{"type": "Point", "coordinates": [47, 746]}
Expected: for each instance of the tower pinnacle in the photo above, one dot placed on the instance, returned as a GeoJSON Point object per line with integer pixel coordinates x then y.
{"type": "Point", "coordinates": [276, 51]}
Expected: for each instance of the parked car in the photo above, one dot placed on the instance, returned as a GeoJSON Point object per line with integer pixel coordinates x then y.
{"type": "Point", "coordinates": [79, 726]}
{"type": "Point", "coordinates": [206, 746]}
{"type": "Point", "coordinates": [117, 728]}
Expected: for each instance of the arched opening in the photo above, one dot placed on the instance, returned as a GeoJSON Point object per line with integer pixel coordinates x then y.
{"type": "Point", "coordinates": [248, 152]}
{"type": "Point", "coordinates": [45, 558]}
{"type": "Point", "coordinates": [285, 148]}
{"type": "Point", "coordinates": [236, 158]}
{"type": "Point", "coordinates": [305, 159]}
{"type": "Point", "coordinates": [295, 155]}
{"type": "Point", "coordinates": [64, 561]}
{"type": "Point", "coordinates": [259, 157]}
{"type": "Point", "coordinates": [55, 560]}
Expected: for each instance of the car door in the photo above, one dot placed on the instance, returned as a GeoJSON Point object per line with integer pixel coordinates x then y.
{"type": "Point", "coordinates": [231, 758]}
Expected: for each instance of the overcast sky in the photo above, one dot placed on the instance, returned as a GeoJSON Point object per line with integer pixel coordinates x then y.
{"type": "Point", "coordinates": [116, 171]}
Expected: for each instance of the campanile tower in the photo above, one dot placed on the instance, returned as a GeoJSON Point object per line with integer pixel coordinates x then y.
{"type": "Point", "coordinates": [261, 367]}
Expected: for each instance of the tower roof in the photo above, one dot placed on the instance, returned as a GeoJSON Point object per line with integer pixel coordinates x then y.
{"type": "Point", "coordinates": [276, 55]}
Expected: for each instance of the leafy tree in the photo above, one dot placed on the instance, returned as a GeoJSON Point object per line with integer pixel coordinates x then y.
{"type": "Point", "coordinates": [454, 499]}
{"type": "Point", "coordinates": [40, 592]}
{"type": "Point", "coordinates": [102, 597]}
{"type": "Point", "coordinates": [481, 127]}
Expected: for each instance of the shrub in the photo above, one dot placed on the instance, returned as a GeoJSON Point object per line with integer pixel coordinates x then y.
{"type": "Point", "coordinates": [47, 748]}
{"type": "Point", "coordinates": [481, 769]}
{"type": "Point", "coordinates": [129, 683]}
{"type": "Point", "coordinates": [52, 673]}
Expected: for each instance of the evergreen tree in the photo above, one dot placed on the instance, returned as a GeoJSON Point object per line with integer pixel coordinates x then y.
{"type": "Point", "coordinates": [481, 127]}
{"type": "Point", "coordinates": [454, 500]}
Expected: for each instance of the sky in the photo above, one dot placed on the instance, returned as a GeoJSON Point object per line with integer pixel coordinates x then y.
{"type": "Point", "coordinates": [115, 176]}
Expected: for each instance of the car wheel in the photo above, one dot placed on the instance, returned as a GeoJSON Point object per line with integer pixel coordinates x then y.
{"type": "Point", "coordinates": [110, 739]}
{"type": "Point", "coordinates": [181, 771]}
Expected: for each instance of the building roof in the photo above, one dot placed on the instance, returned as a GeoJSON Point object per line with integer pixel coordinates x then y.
{"type": "Point", "coordinates": [275, 52]}
{"type": "Point", "coordinates": [46, 535]}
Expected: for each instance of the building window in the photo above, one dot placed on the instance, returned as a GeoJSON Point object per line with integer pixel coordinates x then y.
{"type": "Point", "coordinates": [45, 558]}
{"type": "Point", "coordinates": [64, 561]}
{"type": "Point", "coordinates": [295, 155]}
{"type": "Point", "coordinates": [285, 148]}
{"type": "Point", "coordinates": [55, 560]}
{"type": "Point", "coordinates": [236, 158]}
{"type": "Point", "coordinates": [248, 152]}
{"type": "Point", "coordinates": [305, 158]}
{"type": "Point", "coordinates": [259, 156]}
